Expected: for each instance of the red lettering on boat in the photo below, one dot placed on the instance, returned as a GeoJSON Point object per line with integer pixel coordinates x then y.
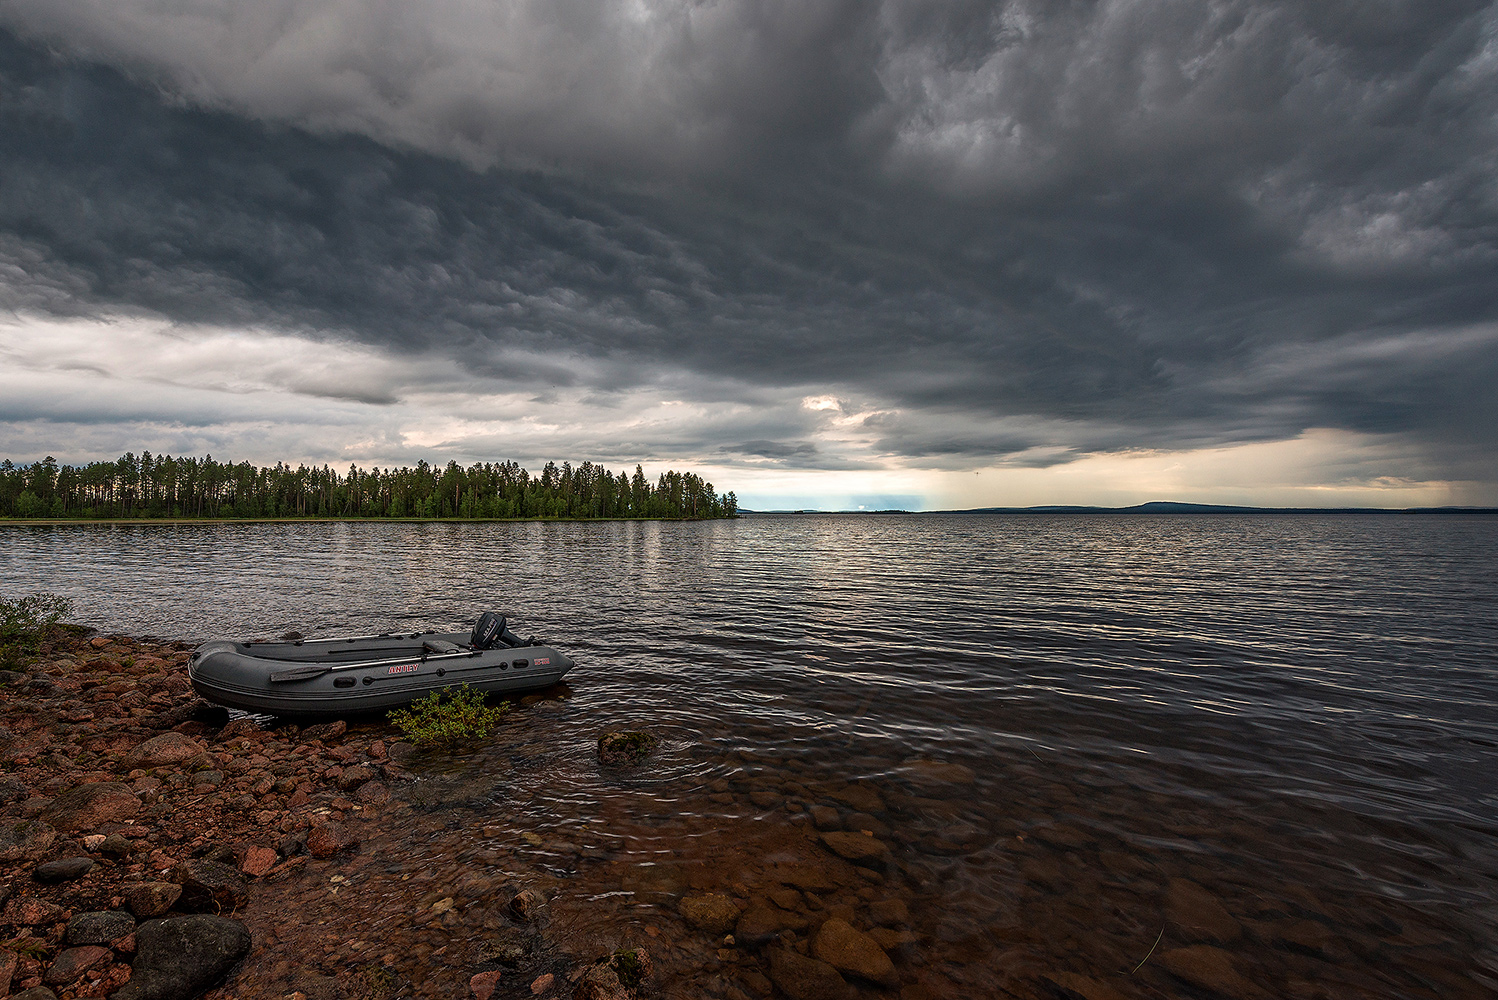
{"type": "Point", "coordinates": [404, 668]}
{"type": "Point", "coordinates": [540, 660]}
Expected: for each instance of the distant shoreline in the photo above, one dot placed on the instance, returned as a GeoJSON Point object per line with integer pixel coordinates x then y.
{"type": "Point", "coordinates": [1154, 507]}
{"type": "Point", "coordinates": [49, 521]}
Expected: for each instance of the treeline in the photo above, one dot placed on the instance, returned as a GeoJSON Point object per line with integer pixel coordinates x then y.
{"type": "Point", "coordinates": [163, 486]}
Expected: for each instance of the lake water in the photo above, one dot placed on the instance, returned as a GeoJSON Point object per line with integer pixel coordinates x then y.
{"type": "Point", "coordinates": [1274, 736]}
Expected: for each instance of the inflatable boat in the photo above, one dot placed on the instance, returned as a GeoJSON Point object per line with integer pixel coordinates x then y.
{"type": "Point", "coordinates": [370, 673]}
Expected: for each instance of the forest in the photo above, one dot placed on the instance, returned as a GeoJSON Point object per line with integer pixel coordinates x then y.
{"type": "Point", "coordinates": [150, 486]}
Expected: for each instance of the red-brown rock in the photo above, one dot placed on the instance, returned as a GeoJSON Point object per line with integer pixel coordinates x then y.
{"type": "Point", "coordinates": [329, 839]}
{"type": "Point", "coordinates": [150, 899]}
{"type": "Point", "coordinates": [29, 912]}
{"type": "Point", "coordinates": [87, 806]}
{"type": "Point", "coordinates": [847, 949]}
{"type": "Point", "coordinates": [484, 984]}
{"type": "Point", "coordinates": [164, 750]}
{"type": "Point", "coordinates": [258, 860]}
{"type": "Point", "coordinates": [71, 964]}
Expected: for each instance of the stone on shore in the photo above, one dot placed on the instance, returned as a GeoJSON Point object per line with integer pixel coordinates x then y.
{"type": "Point", "coordinates": [26, 838]}
{"type": "Point", "coordinates": [163, 751]}
{"type": "Point", "coordinates": [711, 913]}
{"type": "Point", "coordinates": [87, 806]}
{"type": "Point", "coordinates": [620, 748]}
{"type": "Point", "coordinates": [27, 911]}
{"type": "Point", "coordinates": [324, 731]}
{"type": "Point", "coordinates": [802, 978]}
{"type": "Point", "coordinates": [847, 949]}
{"type": "Point", "coordinates": [179, 957]}
{"type": "Point", "coordinates": [484, 984]}
{"type": "Point", "coordinates": [100, 927]}
{"type": "Point", "coordinates": [62, 870]}
{"type": "Point", "coordinates": [210, 887]}
{"type": "Point", "coordinates": [330, 838]}
{"type": "Point", "coordinates": [72, 964]}
{"type": "Point", "coordinates": [258, 860]}
{"type": "Point", "coordinates": [150, 899]}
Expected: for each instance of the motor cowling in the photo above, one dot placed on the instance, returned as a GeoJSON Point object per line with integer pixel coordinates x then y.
{"type": "Point", "coordinates": [487, 630]}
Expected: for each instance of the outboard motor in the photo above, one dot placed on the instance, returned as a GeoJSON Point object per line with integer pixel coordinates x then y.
{"type": "Point", "coordinates": [490, 631]}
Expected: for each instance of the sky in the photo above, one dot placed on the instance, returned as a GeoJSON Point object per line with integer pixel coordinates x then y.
{"type": "Point", "coordinates": [827, 254]}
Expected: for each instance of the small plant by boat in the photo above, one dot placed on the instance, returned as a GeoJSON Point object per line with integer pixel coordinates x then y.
{"type": "Point", "coordinates": [448, 718]}
{"type": "Point", "coordinates": [26, 621]}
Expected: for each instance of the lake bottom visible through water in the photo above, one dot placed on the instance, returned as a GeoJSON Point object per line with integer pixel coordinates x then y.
{"type": "Point", "coordinates": [1162, 758]}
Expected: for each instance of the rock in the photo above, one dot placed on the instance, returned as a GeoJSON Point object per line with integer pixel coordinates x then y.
{"type": "Point", "coordinates": [258, 860]}
{"type": "Point", "coordinates": [615, 977]}
{"type": "Point", "coordinates": [8, 962]}
{"type": "Point", "coordinates": [1082, 986]}
{"type": "Point", "coordinates": [846, 949]}
{"type": "Point", "coordinates": [890, 913]}
{"type": "Point", "coordinates": [802, 978]}
{"type": "Point", "coordinates": [87, 806]}
{"type": "Point", "coordinates": [150, 899]}
{"type": "Point", "coordinates": [100, 927]}
{"type": "Point", "coordinates": [509, 945]}
{"type": "Point", "coordinates": [484, 984]}
{"type": "Point", "coordinates": [935, 775]}
{"type": "Point", "coordinates": [35, 993]}
{"type": "Point", "coordinates": [324, 731]}
{"type": "Point", "coordinates": [28, 837]}
{"type": "Point", "coordinates": [1198, 914]}
{"type": "Point", "coordinates": [618, 748]}
{"type": "Point", "coordinates": [210, 887]}
{"type": "Point", "coordinates": [72, 963]}
{"type": "Point", "coordinates": [1210, 969]}
{"type": "Point", "coordinates": [826, 818]}
{"type": "Point", "coordinates": [714, 914]}
{"type": "Point", "coordinates": [329, 839]}
{"type": "Point", "coordinates": [163, 751]}
{"type": "Point", "coordinates": [27, 911]}
{"type": "Point", "coordinates": [374, 793]}
{"type": "Point", "coordinates": [542, 983]}
{"type": "Point", "coordinates": [761, 922]}
{"type": "Point", "coordinates": [179, 957]}
{"type": "Point", "coordinates": [62, 870]}
{"type": "Point", "coordinates": [12, 790]}
{"type": "Point", "coordinates": [855, 847]}
{"type": "Point", "coordinates": [860, 797]}
{"type": "Point", "coordinates": [115, 846]}
{"type": "Point", "coordinates": [237, 728]}
{"type": "Point", "coordinates": [353, 777]}
{"type": "Point", "coordinates": [890, 939]}
{"type": "Point", "coordinates": [529, 905]}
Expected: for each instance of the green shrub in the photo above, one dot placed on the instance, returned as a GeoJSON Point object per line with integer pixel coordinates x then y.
{"type": "Point", "coordinates": [26, 621]}
{"type": "Point", "coordinates": [448, 718]}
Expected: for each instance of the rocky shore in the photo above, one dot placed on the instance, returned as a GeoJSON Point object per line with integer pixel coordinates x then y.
{"type": "Point", "coordinates": [137, 820]}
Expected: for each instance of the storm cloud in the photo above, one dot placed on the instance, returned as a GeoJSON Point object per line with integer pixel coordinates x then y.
{"type": "Point", "coordinates": [941, 236]}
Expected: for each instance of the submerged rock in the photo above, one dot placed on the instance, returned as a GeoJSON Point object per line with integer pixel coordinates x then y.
{"type": "Point", "coordinates": [178, 958]}
{"type": "Point", "coordinates": [802, 978]}
{"type": "Point", "coordinates": [711, 913]}
{"type": "Point", "coordinates": [846, 949]}
{"type": "Point", "coordinates": [615, 977]}
{"type": "Point", "coordinates": [625, 747]}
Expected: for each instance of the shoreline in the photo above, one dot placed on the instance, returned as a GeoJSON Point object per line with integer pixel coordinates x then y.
{"type": "Point", "coordinates": [133, 521]}
{"type": "Point", "coordinates": [126, 798]}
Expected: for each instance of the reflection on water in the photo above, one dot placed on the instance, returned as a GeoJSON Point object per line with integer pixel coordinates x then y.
{"type": "Point", "coordinates": [1259, 750]}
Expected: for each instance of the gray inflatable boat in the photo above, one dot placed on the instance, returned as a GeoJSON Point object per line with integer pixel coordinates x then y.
{"type": "Point", "coordinates": [370, 673]}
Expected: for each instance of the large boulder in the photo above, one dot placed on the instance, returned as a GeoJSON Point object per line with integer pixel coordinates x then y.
{"type": "Point", "coordinates": [87, 806]}
{"type": "Point", "coordinates": [179, 957]}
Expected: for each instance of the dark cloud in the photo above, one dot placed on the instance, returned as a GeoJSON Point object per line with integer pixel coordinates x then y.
{"type": "Point", "coordinates": [1002, 229]}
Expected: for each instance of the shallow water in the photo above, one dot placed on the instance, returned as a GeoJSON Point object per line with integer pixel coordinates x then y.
{"type": "Point", "coordinates": [1273, 734]}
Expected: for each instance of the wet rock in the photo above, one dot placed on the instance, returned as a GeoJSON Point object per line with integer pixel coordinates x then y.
{"type": "Point", "coordinates": [1198, 914]}
{"type": "Point", "coordinates": [890, 913]}
{"type": "Point", "coordinates": [150, 899]}
{"type": "Point", "coordinates": [826, 818]}
{"type": "Point", "coordinates": [73, 963]}
{"type": "Point", "coordinates": [484, 984]}
{"type": "Point", "coordinates": [542, 983]}
{"type": "Point", "coordinates": [353, 777]}
{"type": "Point", "coordinates": [846, 949]}
{"type": "Point", "coordinates": [860, 797]}
{"type": "Point", "coordinates": [163, 751]}
{"type": "Point", "coordinates": [100, 927]}
{"type": "Point", "coordinates": [529, 905]}
{"type": "Point", "coordinates": [802, 978]}
{"type": "Point", "coordinates": [616, 977]}
{"type": "Point", "coordinates": [892, 940]}
{"type": "Point", "coordinates": [1082, 986]}
{"type": "Point", "coordinates": [324, 731]}
{"type": "Point", "coordinates": [761, 922]}
{"type": "Point", "coordinates": [28, 912]}
{"type": "Point", "coordinates": [931, 775]}
{"type": "Point", "coordinates": [1210, 969]}
{"type": "Point", "coordinates": [210, 887]}
{"type": "Point", "coordinates": [28, 837]}
{"type": "Point", "coordinates": [258, 860]}
{"type": "Point", "coordinates": [87, 806]}
{"type": "Point", "coordinates": [855, 847]}
{"type": "Point", "coordinates": [374, 793]}
{"type": "Point", "coordinates": [62, 870]}
{"type": "Point", "coordinates": [711, 913]}
{"type": "Point", "coordinates": [508, 946]}
{"type": "Point", "coordinates": [179, 957]}
{"type": "Point", "coordinates": [329, 839]}
{"type": "Point", "coordinates": [620, 748]}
